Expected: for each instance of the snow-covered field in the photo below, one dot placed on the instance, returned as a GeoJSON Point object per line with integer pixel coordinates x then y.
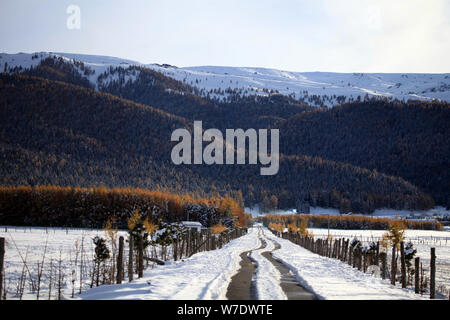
{"type": "Point", "coordinates": [29, 244]}
{"type": "Point", "coordinates": [423, 241]}
{"type": "Point", "coordinates": [206, 275]}
{"type": "Point", "coordinates": [249, 80]}
{"type": "Point", "coordinates": [380, 213]}
{"type": "Point", "coordinates": [332, 279]}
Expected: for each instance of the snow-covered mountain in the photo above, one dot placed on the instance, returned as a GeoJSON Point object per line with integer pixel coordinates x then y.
{"type": "Point", "coordinates": [315, 88]}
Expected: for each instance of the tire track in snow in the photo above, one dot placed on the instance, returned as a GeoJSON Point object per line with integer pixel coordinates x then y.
{"type": "Point", "coordinates": [242, 286]}
{"type": "Point", "coordinates": [288, 282]}
{"type": "Point", "coordinates": [267, 278]}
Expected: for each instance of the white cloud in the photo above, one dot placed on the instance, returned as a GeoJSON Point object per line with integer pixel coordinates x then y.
{"type": "Point", "coordinates": [394, 36]}
{"type": "Point", "coordinates": [297, 35]}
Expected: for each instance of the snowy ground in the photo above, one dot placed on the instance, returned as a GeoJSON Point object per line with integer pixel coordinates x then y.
{"type": "Point", "coordinates": [332, 279]}
{"type": "Point", "coordinates": [380, 213]}
{"type": "Point", "coordinates": [205, 275]}
{"type": "Point", "coordinates": [423, 241]}
{"type": "Point", "coordinates": [29, 244]}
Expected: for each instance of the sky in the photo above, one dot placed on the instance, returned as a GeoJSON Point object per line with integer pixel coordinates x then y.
{"type": "Point", "coordinates": [296, 35]}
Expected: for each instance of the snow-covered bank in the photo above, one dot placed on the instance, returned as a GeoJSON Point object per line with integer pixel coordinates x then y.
{"type": "Point", "coordinates": [335, 280]}
{"type": "Point", "coordinates": [204, 276]}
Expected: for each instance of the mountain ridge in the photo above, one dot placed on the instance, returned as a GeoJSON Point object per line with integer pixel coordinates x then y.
{"type": "Point", "coordinates": [323, 89]}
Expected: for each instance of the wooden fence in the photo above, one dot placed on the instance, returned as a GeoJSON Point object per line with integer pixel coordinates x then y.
{"type": "Point", "coordinates": [2, 265]}
{"type": "Point", "coordinates": [185, 246]}
{"type": "Point", "coordinates": [122, 264]}
{"type": "Point", "coordinates": [361, 259]}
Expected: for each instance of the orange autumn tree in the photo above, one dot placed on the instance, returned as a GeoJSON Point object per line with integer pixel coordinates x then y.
{"type": "Point", "coordinates": [91, 207]}
{"type": "Point", "coordinates": [292, 227]}
{"type": "Point", "coordinates": [229, 208]}
{"type": "Point", "coordinates": [276, 226]}
{"type": "Point", "coordinates": [395, 233]}
{"type": "Point", "coordinates": [218, 228]}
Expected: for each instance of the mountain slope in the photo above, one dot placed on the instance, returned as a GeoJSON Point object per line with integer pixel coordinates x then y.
{"type": "Point", "coordinates": [62, 134]}
{"type": "Point", "coordinates": [315, 88]}
{"type": "Point", "coordinates": [408, 140]}
{"type": "Point", "coordinates": [149, 87]}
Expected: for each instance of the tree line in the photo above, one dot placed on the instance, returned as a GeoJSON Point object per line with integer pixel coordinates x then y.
{"type": "Point", "coordinates": [343, 222]}
{"type": "Point", "coordinates": [92, 207]}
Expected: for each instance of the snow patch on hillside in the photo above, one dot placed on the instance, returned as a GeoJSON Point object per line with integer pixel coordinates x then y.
{"type": "Point", "coordinates": [316, 88]}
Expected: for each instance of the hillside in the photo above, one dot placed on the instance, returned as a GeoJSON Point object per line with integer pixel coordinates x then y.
{"type": "Point", "coordinates": [407, 140]}
{"type": "Point", "coordinates": [322, 89]}
{"type": "Point", "coordinates": [146, 86]}
{"type": "Point", "coordinates": [61, 134]}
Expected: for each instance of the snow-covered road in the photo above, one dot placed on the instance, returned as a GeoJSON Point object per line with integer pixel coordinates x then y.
{"type": "Point", "coordinates": [207, 275]}
{"type": "Point", "coordinates": [204, 276]}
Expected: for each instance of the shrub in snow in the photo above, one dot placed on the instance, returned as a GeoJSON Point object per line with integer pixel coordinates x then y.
{"type": "Point", "coordinates": [168, 233]}
{"type": "Point", "coordinates": [101, 255]}
{"type": "Point", "coordinates": [410, 252]}
{"type": "Point", "coordinates": [372, 247]}
{"type": "Point", "coordinates": [355, 244]}
{"type": "Point", "coordinates": [101, 250]}
{"type": "Point", "coordinates": [140, 227]}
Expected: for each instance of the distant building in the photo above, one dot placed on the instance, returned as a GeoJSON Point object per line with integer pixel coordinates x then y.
{"type": "Point", "coordinates": [192, 225]}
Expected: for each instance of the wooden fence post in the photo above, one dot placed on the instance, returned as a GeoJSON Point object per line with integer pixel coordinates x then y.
{"type": "Point", "coordinates": [433, 274]}
{"type": "Point", "coordinates": [130, 260]}
{"type": "Point", "coordinates": [417, 274]}
{"type": "Point", "coordinates": [350, 256]}
{"type": "Point", "coordinates": [140, 257]}
{"type": "Point", "coordinates": [377, 254]}
{"type": "Point", "coordinates": [345, 251]}
{"type": "Point", "coordinates": [383, 257]}
{"type": "Point", "coordinates": [402, 257]}
{"type": "Point", "coordinates": [360, 257]}
{"type": "Point", "coordinates": [120, 261]}
{"type": "Point", "coordinates": [393, 266]}
{"type": "Point", "coordinates": [2, 265]}
{"type": "Point", "coordinates": [365, 262]}
{"type": "Point", "coordinates": [421, 278]}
